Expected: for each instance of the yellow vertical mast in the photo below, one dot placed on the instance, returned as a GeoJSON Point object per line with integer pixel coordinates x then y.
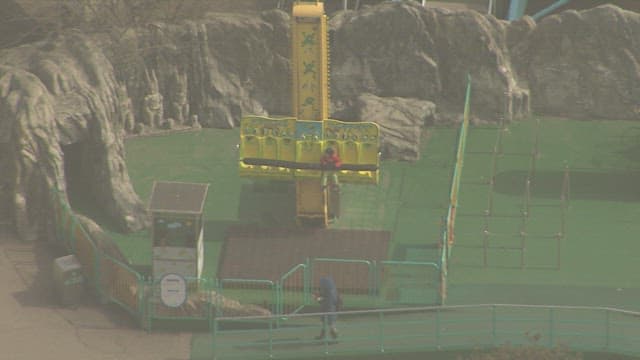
{"type": "Point", "coordinates": [310, 94]}
{"type": "Point", "coordinates": [290, 148]}
{"type": "Point", "coordinates": [309, 61]}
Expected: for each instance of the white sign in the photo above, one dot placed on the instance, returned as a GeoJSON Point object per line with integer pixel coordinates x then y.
{"type": "Point", "coordinates": [173, 290]}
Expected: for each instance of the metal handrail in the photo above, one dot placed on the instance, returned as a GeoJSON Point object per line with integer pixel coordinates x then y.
{"type": "Point", "coordinates": [442, 308]}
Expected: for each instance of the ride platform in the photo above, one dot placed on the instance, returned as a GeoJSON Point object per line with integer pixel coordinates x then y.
{"type": "Point", "coordinates": [253, 252]}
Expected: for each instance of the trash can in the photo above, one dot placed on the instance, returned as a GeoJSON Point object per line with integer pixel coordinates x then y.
{"type": "Point", "coordinates": [68, 280]}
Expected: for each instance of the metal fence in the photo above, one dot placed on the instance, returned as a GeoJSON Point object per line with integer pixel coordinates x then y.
{"type": "Point", "coordinates": [121, 284]}
{"type": "Point", "coordinates": [263, 293]}
{"type": "Point", "coordinates": [586, 329]}
{"type": "Point", "coordinates": [198, 305]}
{"type": "Point", "coordinates": [408, 282]}
{"type": "Point", "coordinates": [87, 254]}
{"type": "Point", "coordinates": [294, 289]}
{"type": "Point", "coordinates": [364, 283]}
{"type": "Point", "coordinates": [447, 233]}
{"type": "Point", "coordinates": [352, 276]}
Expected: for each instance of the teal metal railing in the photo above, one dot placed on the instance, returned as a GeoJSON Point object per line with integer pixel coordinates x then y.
{"type": "Point", "coordinates": [115, 281]}
{"type": "Point", "coordinates": [585, 329]}
{"type": "Point", "coordinates": [294, 290]}
{"type": "Point", "coordinates": [447, 234]}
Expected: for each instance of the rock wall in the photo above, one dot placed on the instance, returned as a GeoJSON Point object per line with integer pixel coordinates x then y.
{"type": "Point", "coordinates": [53, 94]}
{"type": "Point", "coordinates": [575, 63]}
{"type": "Point", "coordinates": [401, 121]}
{"type": "Point", "coordinates": [216, 70]}
{"type": "Point", "coordinates": [73, 88]}
{"type": "Point", "coordinates": [403, 50]}
{"type": "Point", "coordinates": [584, 64]}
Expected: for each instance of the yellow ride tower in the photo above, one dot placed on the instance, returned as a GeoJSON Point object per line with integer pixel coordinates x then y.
{"type": "Point", "coordinates": [290, 149]}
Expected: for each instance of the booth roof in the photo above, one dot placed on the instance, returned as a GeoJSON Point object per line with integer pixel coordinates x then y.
{"type": "Point", "coordinates": [178, 197]}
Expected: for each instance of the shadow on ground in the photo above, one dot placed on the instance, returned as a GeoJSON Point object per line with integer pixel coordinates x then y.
{"type": "Point", "coordinates": [33, 262]}
{"type": "Point", "coordinates": [583, 184]}
{"type": "Point", "coordinates": [268, 203]}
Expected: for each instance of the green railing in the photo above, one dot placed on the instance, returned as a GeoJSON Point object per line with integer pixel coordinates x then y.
{"type": "Point", "coordinates": [361, 281]}
{"type": "Point", "coordinates": [353, 276]}
{"type": "Point", "coordinates": [120, 284]}
{"type": "Point", "coordinates": [587, 329]}
{"type": "Point", "coordinates": [366, 282]}
{"type": "Point", "coordinates": [457, 169]}
{"type": "Point", "coordinates": [407, 282]}
{"type": "Point", "coordinates": [265, 293]}
{"type": "Point", "coordinates": [197, 307]}
{"type": "Point", "coordinates": [294, 289]}
{"type": "Point", "coordinates": [449, 220]}
{"type": "Point", "coordinates": [110, 279]}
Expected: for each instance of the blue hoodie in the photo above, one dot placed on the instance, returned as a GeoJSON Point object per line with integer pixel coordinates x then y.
{"type": "Point", "coordinates": [329, 294]}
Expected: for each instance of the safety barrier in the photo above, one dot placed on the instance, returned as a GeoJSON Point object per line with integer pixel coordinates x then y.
{"type": "Point", "coordinates": [457, 169]}
{"type": "Point", "coordinates": [521, 243]}
{"type": "Point", "coordinates": [121, 285]}
{"type": "Point", "coordinates": [87, 255]}
{"type": "Point", "coordinates": [110, 279]}
{"type": "Point", "coordinates": [351, 276]}
{"type": "Point", "coordinates": [64, 221]}
{"type": "Point", "coordinates": [263, 293]}
{"type": "Point", "coordinates": [583, 329]}
{"type": "Point", "coordinates": [408, 282]}
{"type": "Point", "coordinates": [117, 282]}
{"type": "Point", "coordinates": [365, 283]}
{"type": "Point", "coordinates": [294, 289]}
{"type": "Point", "coordinates": [449, 220]}
{"type": "Point", "coordinates": [196, 307]}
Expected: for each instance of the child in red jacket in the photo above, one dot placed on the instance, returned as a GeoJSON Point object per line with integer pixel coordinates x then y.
{"type": "Point", "coordinates": [330, 164]}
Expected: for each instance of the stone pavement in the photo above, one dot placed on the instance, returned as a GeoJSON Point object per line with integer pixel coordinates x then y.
{"type": "Point", "coordinates": [34, 327]}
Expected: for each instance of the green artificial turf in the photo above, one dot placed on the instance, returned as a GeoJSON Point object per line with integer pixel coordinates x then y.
{"type": "Point", "coordinates": [207, 156]}
{"type": "Point", "coordinates": [597, 254]}
{"type": "Point", "coordinates": [408, 193]}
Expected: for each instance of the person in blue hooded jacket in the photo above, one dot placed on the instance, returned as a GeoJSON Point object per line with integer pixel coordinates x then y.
{"type": "Point", "coordinates": [329, 300]}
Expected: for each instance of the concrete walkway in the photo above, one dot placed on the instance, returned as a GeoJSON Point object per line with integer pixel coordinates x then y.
{"type": "Point", "coordinates": [34, 327]}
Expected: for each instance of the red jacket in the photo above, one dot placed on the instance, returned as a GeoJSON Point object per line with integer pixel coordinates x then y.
{"type": "Point", "coordinates": [329, 162]}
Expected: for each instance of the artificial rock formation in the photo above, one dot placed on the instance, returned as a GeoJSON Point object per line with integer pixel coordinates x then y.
{"type": "Point", "coordinates": [60, 94]}
{"type": "Point", "coordinates": [401, 121]}
{"type": "Point", "coordinates": [220, 68]}
{"type": "Point", "coordinates": [67, 101]}
{"type": "Point", "coordinates": [584, 64]}
{"type": "Point", "coordinates": [404, 50]}
{"type": "Point", "coordinates": [64, 113]}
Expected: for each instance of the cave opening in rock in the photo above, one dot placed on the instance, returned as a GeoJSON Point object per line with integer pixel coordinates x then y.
{"type": "Point", "coordinates": [78, 179]}
{"type": "Point", "coordinates": [5, 198]}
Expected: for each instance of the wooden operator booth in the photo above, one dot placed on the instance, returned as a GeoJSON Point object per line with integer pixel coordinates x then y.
{"type": "Point", "coordinates": [177, 228]}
